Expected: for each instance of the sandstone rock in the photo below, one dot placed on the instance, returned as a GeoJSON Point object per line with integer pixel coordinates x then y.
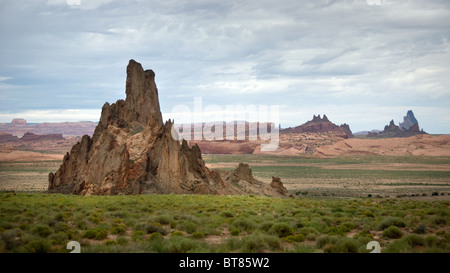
{"type": "Point", "coordinates": [408, 121]}
{"type": "Point", "coordinates": [4, 138]}
{"type": "Point", "coordinates": [132, 151]}
{"type": "Point", "coordinates": [278, 185]}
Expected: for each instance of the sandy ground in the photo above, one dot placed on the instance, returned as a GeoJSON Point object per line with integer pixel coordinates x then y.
{"type": "Point", "coordinates": [28, 156]}
{"type": "Point", "coordinates": [427, 145]}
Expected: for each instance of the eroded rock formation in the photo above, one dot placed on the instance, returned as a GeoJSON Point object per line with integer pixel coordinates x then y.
{"type": "Point", "coordinates": [321, 125]}
{"type": "Point", "coordinates": [132, 152]}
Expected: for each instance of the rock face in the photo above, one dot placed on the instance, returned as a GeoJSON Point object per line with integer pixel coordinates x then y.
{"type": "Point", "coordinates": [132, 152]}
{"type": "Point", "coordinates": [409, 121]}
{"type": "Point", "coordinates": [320, 125]}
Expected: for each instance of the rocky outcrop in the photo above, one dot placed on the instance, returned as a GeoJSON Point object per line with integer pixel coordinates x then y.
{"type": "Point", "coordinates": [278, 185]}
{"type": "Point", "coordinates": [241, 181]}
{"type": "Point", "coordinates": [409, 121]}
{"type": "Point", "coordinates": [33, 137]}
{"type": "Point", "coordinates": [133, 152]}
{"type": "Point", "coordinates": [409, 127]}
{"type": "Point", "coordinates": [320, 125]}
{"type": "Point", "coordinates": [4, 138]}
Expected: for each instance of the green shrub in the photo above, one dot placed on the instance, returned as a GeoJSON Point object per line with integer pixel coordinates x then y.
{"type": "Point", "coordinates": [325, 240]}
{"type": "Point", "coordinates": [58, 238]}
{"type": "Point", "coordinates": [137, 236]}
{"type": "Point", "coordinates": [347, 245]}
{"type": "Point", "coordinates": [152, 228]}
{"type": "Point", "coordinates": [41, 231]}
{"type": "Point", "coordinates": [331, 248]}
{"type": "Point", "coordinates": [90, 234]}
{"type": "Point", "coordinates": [178, 244]}
{"type": "Point", "coordinates": [61, 226]}
{"type": "Point", "coordinates": [295, 238]}
{"type": "Point", "coordinates": [101, 234]}
{"type": "Point", "coordinates": [283, 229]}
{"type": "Point", "coordinates": [155, 236]}
{"type": "Point", "coordinates": [163, 219]}
{"type": "Point", "coordinates": [392, 232]}
{"type": "Point", "coordinates": [266, 226]}
{"type": "Point", "coordinates": [244, 224]}
{"type": "Point", "coordinates": [9, 238]}
{"type": "Point", "coordinates": [391, 221]}
{"type": "Point", "coordinates": [420, 229]}
{"type": "Point", "coordinates": [122, 240]}
{"type": "Point", "coordinates": [259, 242]}
{"type": "Point", "coordinates": [176, 233]}
{"type": "Point", "coordinates": [227, 214]}
{"type": "Point", "coordinates": [110, 242]}
{"type": "Point", "coordinates": [97, 234]}
{"type": "Point", "coordinates": [198, 235]}
{"type": "Point", "coordinates": [120, 230]}
{"type": "Point", "coordinates": [235, 232]}
{"type": "Point", "coordinates": [439, 220]}
{"type": "Point", "coordinates": [431, 240]}
{"type": "Point", "coordinates": [414, 240]}
{"type": "Point", "coordinates": [189, 227]}
{"type": "Point", "coordinates": [38, 246]}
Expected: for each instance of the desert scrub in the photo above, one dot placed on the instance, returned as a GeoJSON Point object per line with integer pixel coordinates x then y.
{"type": "Point", "coordinates": [391, 221]}
{"type": "Point", "coordinates": [392, 232]}
{"type": "Point", "coordinates": [259, 242]}
{"type": "Point", "coordinates": [294, 238]}
{"type": "Point", "coordinates": [282, 229]}
{"type": "Point", "coordinates": [243, 224]}
{"type": "Point", "coordinates": [97, 234]}
{"type": "Point", "coordinates": [41, 231]}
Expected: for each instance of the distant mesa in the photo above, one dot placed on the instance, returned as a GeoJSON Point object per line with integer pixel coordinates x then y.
{"type": "Point", "coordinates": [48, 137]}
{"type": "Point", "coordinates": [409, 127]}
{"type": "Point", "coordinates": [321, 125]}
{"type": "Point", "coordinates": [18, 122]}
{"type": "Point", "coordinates": [18, 127]}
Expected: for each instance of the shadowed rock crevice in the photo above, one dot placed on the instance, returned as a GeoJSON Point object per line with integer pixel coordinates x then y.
{"type": "Point", "coordinates": [133, 152]}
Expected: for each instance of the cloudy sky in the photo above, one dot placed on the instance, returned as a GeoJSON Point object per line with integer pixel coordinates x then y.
{"type": "Point", "coordinates": [355, 61]}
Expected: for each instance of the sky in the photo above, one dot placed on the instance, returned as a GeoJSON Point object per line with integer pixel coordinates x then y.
{"type": "Point", "coordinates": [361, 62]}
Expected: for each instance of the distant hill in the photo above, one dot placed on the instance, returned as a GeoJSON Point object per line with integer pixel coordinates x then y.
{"type": "Point", "coordinates": [19, 127]}
{"type": "Point", "coordinates": [320, 125]}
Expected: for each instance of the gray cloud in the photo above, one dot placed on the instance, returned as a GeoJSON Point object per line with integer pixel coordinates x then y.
{"type": "Point", "coordinates": [333, 57]}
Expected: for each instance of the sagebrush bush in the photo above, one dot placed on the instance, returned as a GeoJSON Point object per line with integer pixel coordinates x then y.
{"type": "Point", "coordinates": [325, 240]}
{"type": "Point", "coordinates": [392, 232]}
{"type": "Point", "coordinates": [282, 229]}
{"type": "Point", "coordinates": [391, 221]}
{"type": "Point", "coordinates": [41, 230]}
{"type": "Point", "coordinates": [119, 230]}
{"type": "Point", "coordinates": [420, 229]}
{"type": "Point", "coordinates": [244, 224]}
{"type": "Point", "coordinates": [235, 232]}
